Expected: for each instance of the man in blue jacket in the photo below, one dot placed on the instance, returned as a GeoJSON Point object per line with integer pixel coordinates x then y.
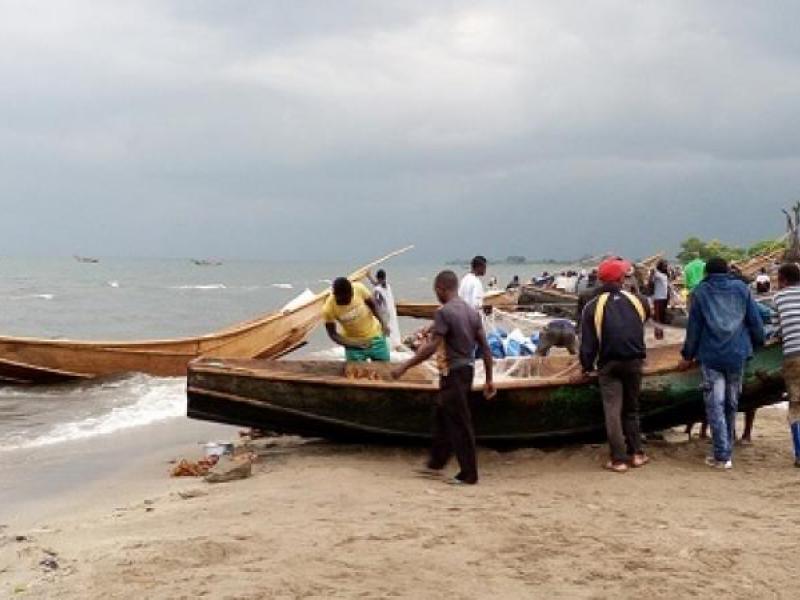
{"type": "Point", "coordinates": [724, 326]}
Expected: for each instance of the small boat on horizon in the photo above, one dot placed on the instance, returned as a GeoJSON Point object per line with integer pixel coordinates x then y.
{"type": "Point", "coordinates": [86, 259]}
{"type": "Point", "coordinates": [201, 262]}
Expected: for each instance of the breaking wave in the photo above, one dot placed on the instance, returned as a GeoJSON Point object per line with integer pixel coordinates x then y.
{"type": "Point", "coordinates": [156, 400]}
{"type": "Point", "coordinates": [208, 286]}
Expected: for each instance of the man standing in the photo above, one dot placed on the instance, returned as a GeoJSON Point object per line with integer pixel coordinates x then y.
{"type": "Point", "coordinates": [724, 326]}
{"type": "Point", "coordinates": [612, 326]}
{"type": "Point", "coordinates": [693, 273]}
{"type": "Point", "coordinates": [471, 288]}
{"type": "Point", "coordinates": [788, 302]}
{"type": "Point", "coordinates": [384, 302]}
{"type": "Point", "coordinates": [660, 291]}
{"type": "Point", "coordinates": [363, 331]}
{"type": "Point", "coordinates": [457, 330]}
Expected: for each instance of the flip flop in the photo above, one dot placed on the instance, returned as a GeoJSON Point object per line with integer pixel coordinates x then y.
{"type": "Point", "coordinates": [616, 467]}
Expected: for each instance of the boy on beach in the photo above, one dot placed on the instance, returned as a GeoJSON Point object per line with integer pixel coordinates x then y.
{"type": "Point", "coordinates": [363, 331]}
{"type": "Point", "coordinates": [457, 330]}
{"type": "Point", "coordinates": [788, 302]}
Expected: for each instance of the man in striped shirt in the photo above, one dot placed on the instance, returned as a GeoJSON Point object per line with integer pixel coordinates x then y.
{"type": "Point", "coordinates": [787, 301]}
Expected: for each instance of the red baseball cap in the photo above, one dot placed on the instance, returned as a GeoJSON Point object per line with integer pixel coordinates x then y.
{"type": "Point", "coordinates": [613, 269]}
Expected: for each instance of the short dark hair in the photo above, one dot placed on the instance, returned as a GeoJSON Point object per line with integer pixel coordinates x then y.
{"type": "Point", "coordinates": [342, 286]}
{"type": "Point", "coordinates": [790, 273]}
{"type": "Point", "coordinates": [716, 265]}
{"type": "Point", "coordinates": [446, 280]}
{"type": "Point", "coordinates": [479, 261]}
{"type": "Point", "coordinates": [380, 274]}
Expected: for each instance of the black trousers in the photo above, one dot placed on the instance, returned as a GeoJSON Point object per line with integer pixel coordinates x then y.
{"type": "Point", "coordinates": [620, 384]}
{"type": "Point", "coordinates": [452, 425]}
{"type": "Point", "coordinates": [660, 311]}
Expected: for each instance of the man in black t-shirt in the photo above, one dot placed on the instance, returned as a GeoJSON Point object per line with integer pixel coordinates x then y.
{"type": "Point", "coordinates": [457, 330]}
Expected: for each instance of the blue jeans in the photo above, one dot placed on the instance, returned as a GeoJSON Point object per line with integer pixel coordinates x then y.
{"type": "Point", "coordinates": [795, 427]}
{"type": "Point", "coordinates": [721, 394]}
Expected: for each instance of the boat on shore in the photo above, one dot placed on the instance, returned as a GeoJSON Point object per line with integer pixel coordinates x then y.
{"type": "Point", "coordinates": [424, 310]}
{"type": "Point", "coordinates": [539, 401]}
{"type": "Point", "coordinates": [34, 360]}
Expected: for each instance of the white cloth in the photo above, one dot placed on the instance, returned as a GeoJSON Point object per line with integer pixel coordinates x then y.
{"type": "Point", "coordinates": [471, 291]}
{"type": "Point", "coordinates": [384, 300]}
{"type": "Point", "coordinates": [763, 278]}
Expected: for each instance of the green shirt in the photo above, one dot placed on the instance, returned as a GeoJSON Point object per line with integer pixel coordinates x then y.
{"type": "Point", "coordinates": [693, 273]}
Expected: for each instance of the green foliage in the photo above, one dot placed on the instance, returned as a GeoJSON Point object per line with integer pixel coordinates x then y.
{"type": "Point", "coordinates": [765, 246]}
{"type": "Point", "coordinates": [694, 247]}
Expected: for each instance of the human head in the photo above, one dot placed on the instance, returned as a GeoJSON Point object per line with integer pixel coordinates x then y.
{"type": "Point", "coordinates": [788, 274]}
{"type": "Point", "coordinates": [763, 270]}
{"type": "Point", "coordinates": [716, 266]}
{"type": "Point", "coordinates": [380, 275]}
{"type": "Point", "coordinates": [342, 290]}
{"type": "Point", "coordinates": [445, 285]}
{"type": "Point", "coordinates": [613, 270]}
{"type": "Point", "coordinates": [479, 265]}
{"type": "Point", "coordinates": [663, 266]}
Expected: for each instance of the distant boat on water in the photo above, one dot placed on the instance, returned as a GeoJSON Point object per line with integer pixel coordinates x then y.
{"type": "Point", "coordinates": [86, 259]}
{"type": "Point", "coordinates": [206, 263]}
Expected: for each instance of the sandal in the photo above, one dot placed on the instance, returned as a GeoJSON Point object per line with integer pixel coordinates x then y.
{"type": "Point", "coordinates": [639, 460]}
{"type": "Point", "coordinates": [616, 467]}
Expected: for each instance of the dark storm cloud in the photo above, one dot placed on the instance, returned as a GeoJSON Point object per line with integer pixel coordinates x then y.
{"type": "Point", "coordinates": [305, 129]}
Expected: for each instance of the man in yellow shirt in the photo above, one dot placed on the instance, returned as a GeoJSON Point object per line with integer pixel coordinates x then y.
{"type": "Point", "coordinates": [361, 329]}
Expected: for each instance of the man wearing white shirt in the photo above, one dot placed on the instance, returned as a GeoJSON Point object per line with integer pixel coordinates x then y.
{"type": "Point", "coordinates": [471, 288]}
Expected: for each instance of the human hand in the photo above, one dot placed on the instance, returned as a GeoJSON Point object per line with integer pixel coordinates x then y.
{"type": "Point", "coordinates": [489, 391]}
{"type": "Point", "coordinates": [398, 372]}
{"type": "Point", "coordinates": [685, 364]}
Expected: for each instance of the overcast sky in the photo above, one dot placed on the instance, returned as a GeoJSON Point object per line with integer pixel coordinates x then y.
{"type": "Point", "coordinates": [341, 129]}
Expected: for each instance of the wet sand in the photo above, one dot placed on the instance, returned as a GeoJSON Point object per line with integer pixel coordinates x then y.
{"type": "Point", "coordinates": [324, 521]}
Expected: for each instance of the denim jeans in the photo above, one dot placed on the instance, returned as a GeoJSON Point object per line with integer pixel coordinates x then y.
{"type": "Point", "coordinates": [795, 427]}
{"type": "Point", "coordinates": [721, 394]}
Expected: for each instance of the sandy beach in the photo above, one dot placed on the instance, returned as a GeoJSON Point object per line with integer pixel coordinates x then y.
{"type": "Point", "coordinates": [324, 521]}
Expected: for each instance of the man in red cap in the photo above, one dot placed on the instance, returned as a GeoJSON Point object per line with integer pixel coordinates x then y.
{"type": "Point", "coordinates": [612, 326]}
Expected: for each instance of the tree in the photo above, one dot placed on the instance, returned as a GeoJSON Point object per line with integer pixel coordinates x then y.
{"type": "Point", "coordinates": [694, 247]}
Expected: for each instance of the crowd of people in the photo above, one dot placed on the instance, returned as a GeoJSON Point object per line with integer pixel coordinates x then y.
{"type": "Point", "coordinates": [725, 325]}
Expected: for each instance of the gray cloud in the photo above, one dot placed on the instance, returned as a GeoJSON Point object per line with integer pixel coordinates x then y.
{"type": "Point", "coordinates": [293, 129]}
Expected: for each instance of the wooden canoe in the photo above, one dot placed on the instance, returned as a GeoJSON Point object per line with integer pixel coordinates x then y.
{"type": "Point", "coordinates": [545, 405]}
{"type": "Point", "coordinates": [31, 360]}
{"type": "Point", "coordinates": [424, 310]}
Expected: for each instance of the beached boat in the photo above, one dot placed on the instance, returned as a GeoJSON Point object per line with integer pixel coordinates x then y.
{"type": "Point", "coordinates": [538, 402]}
{"type": "Point", "coordinates": [31, 360]}
{"type": "Point", "coordinates": [531, 295]}
{"type": "Point", "coordinates": [424, 310]}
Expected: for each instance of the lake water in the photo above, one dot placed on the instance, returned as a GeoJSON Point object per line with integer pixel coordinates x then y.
{"type": "Point", "coordinates": [139, 299]}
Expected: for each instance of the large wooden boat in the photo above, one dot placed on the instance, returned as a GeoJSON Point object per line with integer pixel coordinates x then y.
{"type": "Point", "coordinates": [31, 360]}
{"type": "Point", "coordinates": [544, 403]}
{"type": "Point", "coordinates": [424, 310]}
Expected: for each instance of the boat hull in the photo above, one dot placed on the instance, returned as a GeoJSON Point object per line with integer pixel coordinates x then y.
{"type": "Point", "coordinates": [520, 415]}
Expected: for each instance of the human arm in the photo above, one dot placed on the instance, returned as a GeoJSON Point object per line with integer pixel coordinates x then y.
{"type": "Point", "coordinates": [694, 331]}
{"type": "Point", "coordinates": [754, 322]}
{"type": "Point", "coordinates": [371, 278]}
{"type": "Point", "coordinates": [370, 302]}
{"type": "Point", "coordinates": [337, 338]}
{"type": "Point", "coordinates": [489, 390]}
{"type": "Point", "coordinates": [590, 345]}
{"type": "Point", "coordinates": [422, 354]}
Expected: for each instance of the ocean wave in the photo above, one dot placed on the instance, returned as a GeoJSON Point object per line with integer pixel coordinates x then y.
{"type": "Point", "coordinates": [208, 286]}
{"type": "Point", "coordinates": [113, 284]}
{"type": "Point", "coordinates": [158, 400]}
{"type": "Point", "coordinates": [283, 286]}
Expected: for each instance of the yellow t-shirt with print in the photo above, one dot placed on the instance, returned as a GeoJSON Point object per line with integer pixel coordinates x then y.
{"type": "Point", "coordinates": [356, 320]}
